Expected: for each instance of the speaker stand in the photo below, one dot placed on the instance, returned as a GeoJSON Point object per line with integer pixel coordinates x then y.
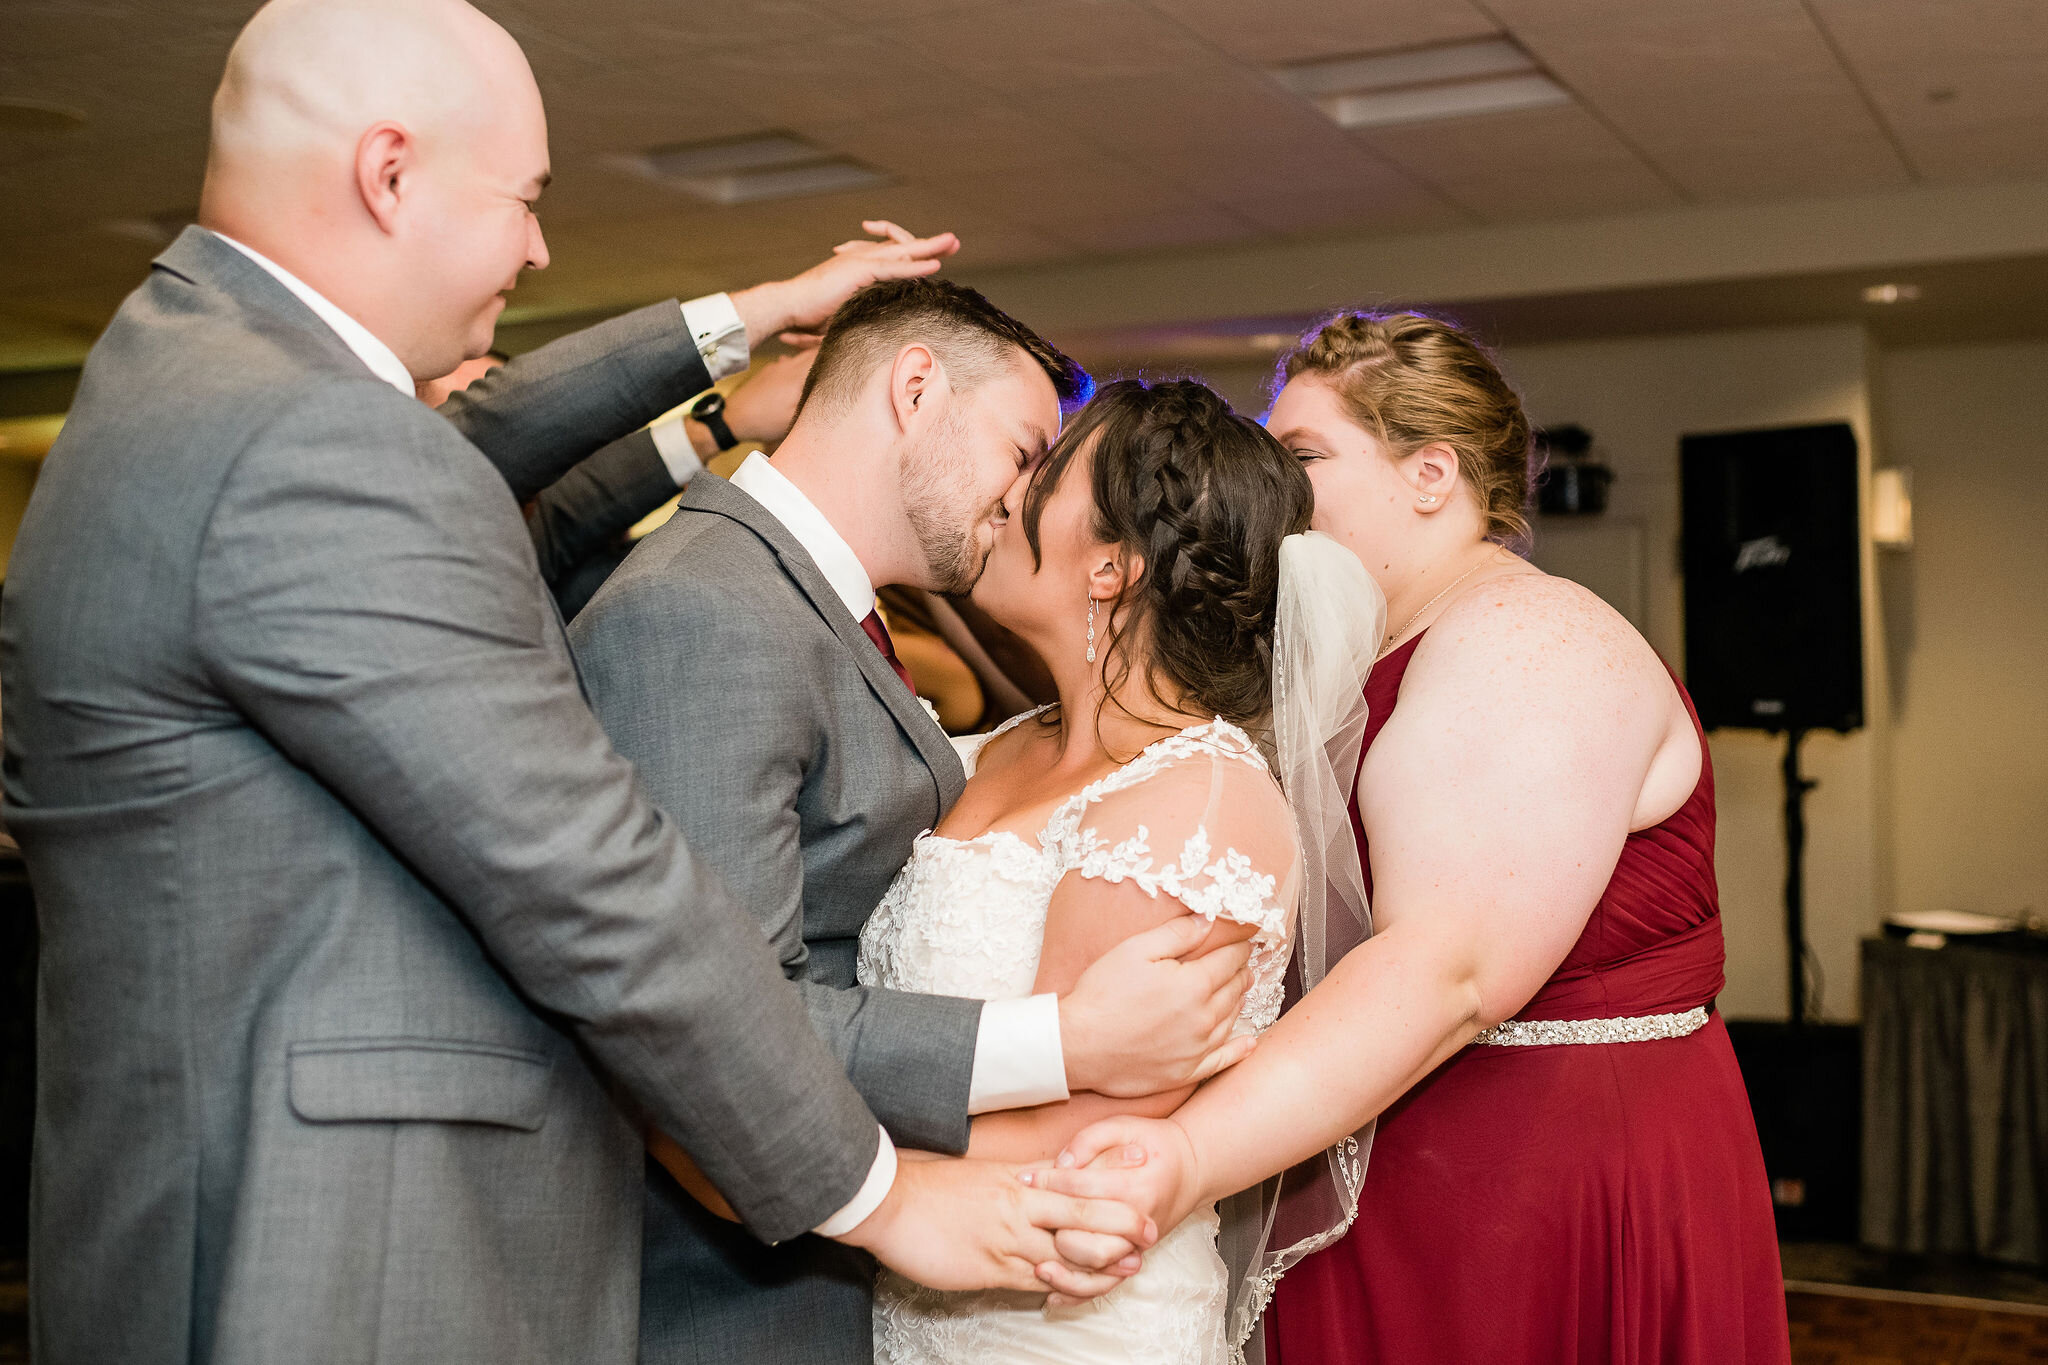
{"type": "Point", "coordinates": [1797, 785]}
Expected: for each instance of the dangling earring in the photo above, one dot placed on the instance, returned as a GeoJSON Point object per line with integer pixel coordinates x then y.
{"type": "Point", "coordinates": [1091, 630]}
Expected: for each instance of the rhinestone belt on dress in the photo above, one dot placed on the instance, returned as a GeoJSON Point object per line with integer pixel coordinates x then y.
{"type": "Point", "coordinates": [1549, 1032]}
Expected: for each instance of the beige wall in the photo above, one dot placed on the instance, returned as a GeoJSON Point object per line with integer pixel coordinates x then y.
{"type": "Point", "coordinates": [1969, 626]}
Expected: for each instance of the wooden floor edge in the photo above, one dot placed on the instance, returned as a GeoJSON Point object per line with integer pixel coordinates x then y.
{"type": "Point", "coordinates": [1857, 1291]}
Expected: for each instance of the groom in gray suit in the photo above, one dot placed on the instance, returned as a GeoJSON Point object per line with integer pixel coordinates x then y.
{"type": "Point", "coordinates": [737, 658]}
{"type": "Point", "coordinates": [366, 960]}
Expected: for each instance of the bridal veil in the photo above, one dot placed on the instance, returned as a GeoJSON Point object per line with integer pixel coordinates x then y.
{"type": "Point", "coordinates": [1332, 618]}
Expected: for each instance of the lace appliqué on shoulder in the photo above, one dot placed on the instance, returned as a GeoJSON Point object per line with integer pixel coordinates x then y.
{"type": "Point", "coordinates": [1229, 886]}
{"type": "Point", "coordinates": [1233, 889]}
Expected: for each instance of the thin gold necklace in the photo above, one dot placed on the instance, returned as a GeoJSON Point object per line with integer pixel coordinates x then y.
{"type": "Point", "coordinates": [1394, 640]}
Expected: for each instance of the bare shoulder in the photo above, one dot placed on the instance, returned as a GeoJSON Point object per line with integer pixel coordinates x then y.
{"type": "Point", "coordinates": [1528, 630]}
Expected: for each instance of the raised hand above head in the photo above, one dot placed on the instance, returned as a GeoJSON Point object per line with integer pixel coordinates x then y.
{"type": "Point", "coordinates": [796, 307]}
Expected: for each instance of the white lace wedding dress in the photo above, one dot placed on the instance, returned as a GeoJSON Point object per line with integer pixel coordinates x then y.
{"type": "Point", "coordinates": [1196, 817]}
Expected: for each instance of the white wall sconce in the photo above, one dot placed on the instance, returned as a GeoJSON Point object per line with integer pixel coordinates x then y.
{"type": "Point", "coordinates": [1891, 508]}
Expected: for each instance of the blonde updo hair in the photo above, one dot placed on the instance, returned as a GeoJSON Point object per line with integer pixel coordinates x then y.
{"type": "Point", "coordinates": [1413, 380]}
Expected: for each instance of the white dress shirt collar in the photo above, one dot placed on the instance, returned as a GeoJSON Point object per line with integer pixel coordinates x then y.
{"type": "Point", "coordinates": [770, 487]}
{"type": "Point", "coordinates": [382, 360]}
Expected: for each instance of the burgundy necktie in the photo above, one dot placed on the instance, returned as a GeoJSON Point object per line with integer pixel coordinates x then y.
{"type": "Point", "coordinates": [879, 633]}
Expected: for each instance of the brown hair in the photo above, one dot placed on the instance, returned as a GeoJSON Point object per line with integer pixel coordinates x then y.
{"type": "Point", "coordinates": [969, 334]}
{"type": "Point", "coordinates": [1412, 380]}
{"type": "Point", "coordinates": [1204, 496]}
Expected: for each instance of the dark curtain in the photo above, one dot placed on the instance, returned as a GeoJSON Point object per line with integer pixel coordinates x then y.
{"type": "Point", "coordinates": [1955, 1137]}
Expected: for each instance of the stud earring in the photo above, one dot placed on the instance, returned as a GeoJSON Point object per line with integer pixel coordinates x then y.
{"type": "Point", "coordinates": [1091, 630]}
{"type": "Point", "coordinates": [1427, 497]}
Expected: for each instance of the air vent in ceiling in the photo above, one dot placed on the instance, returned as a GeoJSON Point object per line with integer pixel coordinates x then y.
{"type": "Point", "coordinates": [1455, 80]}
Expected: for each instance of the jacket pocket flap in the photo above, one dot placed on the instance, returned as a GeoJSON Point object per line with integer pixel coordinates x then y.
{"type": "Point", "coordinates": [397, 1079]}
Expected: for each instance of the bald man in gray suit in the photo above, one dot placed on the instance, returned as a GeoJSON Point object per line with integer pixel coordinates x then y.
{"type": "Point", "coordinates": [366, 960]}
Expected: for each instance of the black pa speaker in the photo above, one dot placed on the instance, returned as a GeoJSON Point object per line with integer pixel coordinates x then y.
{"type": "Point", "coordinates": [1773, 592]}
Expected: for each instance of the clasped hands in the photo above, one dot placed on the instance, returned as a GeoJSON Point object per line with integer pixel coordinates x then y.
{"type": "Point", "coordinates": [1140, 1020]}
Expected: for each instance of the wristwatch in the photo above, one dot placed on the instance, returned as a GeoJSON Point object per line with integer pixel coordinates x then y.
{"type": "Point", "coordinates": [710, 412]}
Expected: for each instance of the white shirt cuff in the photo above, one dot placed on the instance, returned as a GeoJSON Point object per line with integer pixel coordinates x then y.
{"type": "Point", "coordinates": [720, 335]}
{"type": "Point", "coordinates": [869, 1197]}
{"type": "Point", "coordinates": [672, 443]}
{"type": "Point", "coordinates": [1018, 1061]}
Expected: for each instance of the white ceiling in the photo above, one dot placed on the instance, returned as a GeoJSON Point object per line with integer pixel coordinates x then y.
{"type": "Point", "coordinates": [1051, 131]}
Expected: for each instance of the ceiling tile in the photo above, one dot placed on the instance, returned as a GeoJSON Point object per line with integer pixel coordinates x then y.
{"type": "Point", "coordinates": [833, 79]}
{"type": "Point", "coordinates": [1789, 167]}
{"type": "Point", "coordinates": [1693, 86]}
{"type": "Point", "coordinates": [1958, 82]}
{"type": "Point", "coordinates": [983, 138]}
{"type": "Point", "coordinates": [1277, 31]}
{"type": "Point", "coordinates": [1539, 163]}
{"type": "Point", "coordinates": [2015, 150]}
{"type": "Point", "coordinates": [1179, 117]}
{"type": "Point", "coordinates": [47, 29]}
{"type": "Point", "coordinates": [660, 32]}
{"type": "Point", "coordinates": [610, 110]}
{"type": "Point", "coordinates": [1026, 47]}
{"type": "Point", "coordinates": [122, 180]}
{"type": "Point", "coordinates": [1049, 128]}
{"type": "Point", "coordinates": [1155, 222]}
{"type": "Point", "coordinates": [122, 96]}
{"type": "Point", "coordinates": [1347, 187]}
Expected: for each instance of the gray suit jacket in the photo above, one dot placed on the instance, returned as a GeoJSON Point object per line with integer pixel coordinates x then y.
{"type": "Point", "coordinates": [578, 521]}
{"type": "Point", "coordinates": [761, 717]}
{"type": "Point", "coordinates": [352, 919]}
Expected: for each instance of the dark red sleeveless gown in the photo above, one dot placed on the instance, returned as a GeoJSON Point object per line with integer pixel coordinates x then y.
{"type": "Point", "coordinates": [1600, 1204]}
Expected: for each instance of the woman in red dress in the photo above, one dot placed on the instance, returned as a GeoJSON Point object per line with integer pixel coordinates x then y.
{"type": "Point", "coordinates": [1566, 1168]}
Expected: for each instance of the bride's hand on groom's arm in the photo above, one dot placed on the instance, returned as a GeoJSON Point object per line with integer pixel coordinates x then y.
{"type": "Point", "coordinates": [1155, 1012]}
{"type": "Point", "coordinates": [954, 1223]}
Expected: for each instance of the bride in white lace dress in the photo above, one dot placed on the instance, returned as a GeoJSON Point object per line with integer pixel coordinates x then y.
{"type": "Point", "coordinates": [1143, 563]}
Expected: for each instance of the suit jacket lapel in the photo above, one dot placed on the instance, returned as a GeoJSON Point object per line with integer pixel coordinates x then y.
{"type": "Point", "coordinates": [709, 493]}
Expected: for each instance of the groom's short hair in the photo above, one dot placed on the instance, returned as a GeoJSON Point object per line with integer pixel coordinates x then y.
{"type": "Point", "coordinates": [973, 338]}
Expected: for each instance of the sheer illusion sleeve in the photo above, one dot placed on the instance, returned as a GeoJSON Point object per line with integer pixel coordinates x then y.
{"type": "Point", "coordinates": [1201, 821]}
{"type": "Point", "coordinates": [1196, 825]}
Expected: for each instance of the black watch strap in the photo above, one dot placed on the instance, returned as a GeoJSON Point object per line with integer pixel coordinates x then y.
{"type": "Point", "coordinates": [710, 411]}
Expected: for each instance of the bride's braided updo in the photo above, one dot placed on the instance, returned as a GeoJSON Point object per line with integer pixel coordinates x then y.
{"type": "Point", "coordinates": [1203, 496]}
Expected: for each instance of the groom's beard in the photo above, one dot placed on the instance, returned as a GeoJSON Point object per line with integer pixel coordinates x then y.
{"type": "Point", "coordinates": [945, 514]}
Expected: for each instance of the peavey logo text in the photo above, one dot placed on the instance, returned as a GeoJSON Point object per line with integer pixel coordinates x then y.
{"type": "Point", "coordinates": [1765, 553]}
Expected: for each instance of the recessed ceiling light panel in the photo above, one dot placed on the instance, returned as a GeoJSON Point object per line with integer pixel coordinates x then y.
{"type": "Point", "coordinates": [1453, 80]}
{"type": "Point", "coordinates": [742, 170]}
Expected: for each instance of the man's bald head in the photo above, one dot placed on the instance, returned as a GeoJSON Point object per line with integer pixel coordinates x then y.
{"type": "Point", "coordinates": [308, 76]}
{"type": "Point", "coordinates": [387, 152]}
